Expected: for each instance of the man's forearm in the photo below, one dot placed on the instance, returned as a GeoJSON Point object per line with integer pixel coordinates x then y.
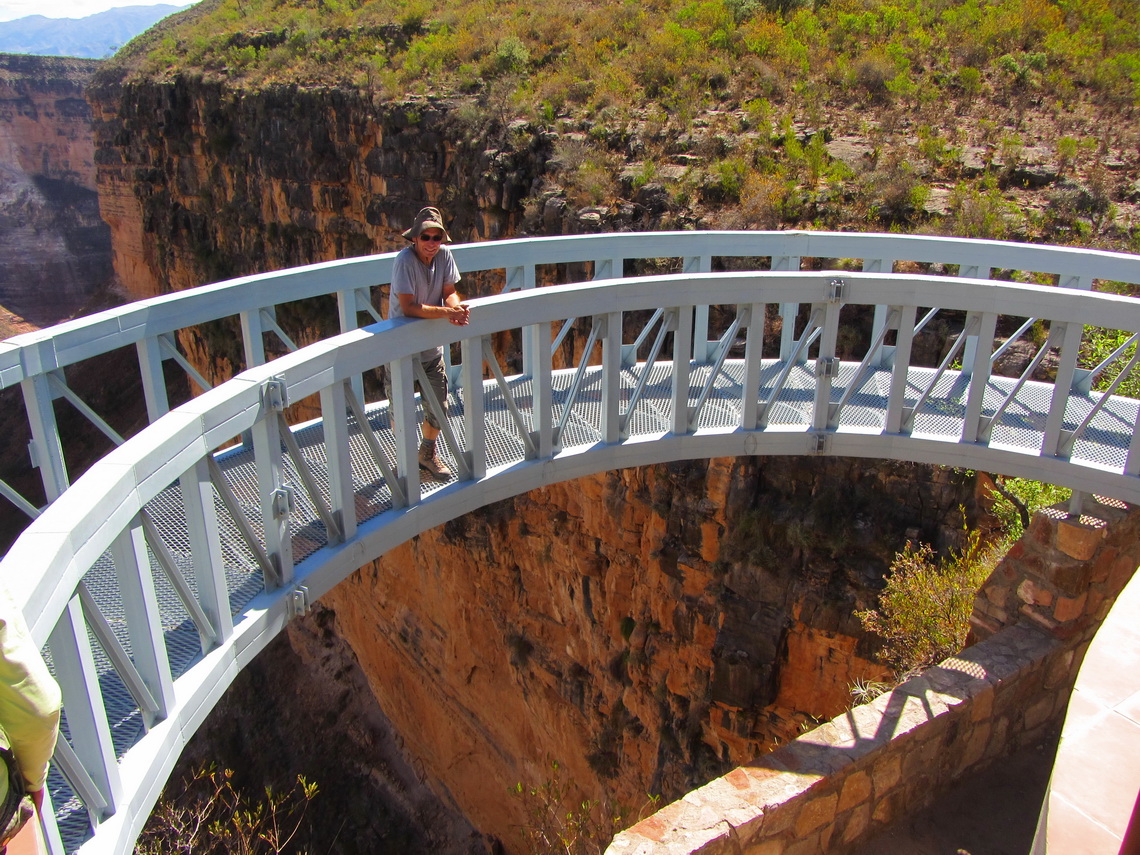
{"type": "Point", "coordinates": [422, 310]}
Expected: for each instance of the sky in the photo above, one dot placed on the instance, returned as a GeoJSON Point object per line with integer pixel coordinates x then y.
{"type": "Point", "coordinates": [12, 9]}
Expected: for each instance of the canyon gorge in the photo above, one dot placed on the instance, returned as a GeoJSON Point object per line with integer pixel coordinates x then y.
{"type": "Point", "coordinates": [647, 629]}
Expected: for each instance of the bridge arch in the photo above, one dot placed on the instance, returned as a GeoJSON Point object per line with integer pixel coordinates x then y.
{"type": "Point", "coordinates": [665, 390]}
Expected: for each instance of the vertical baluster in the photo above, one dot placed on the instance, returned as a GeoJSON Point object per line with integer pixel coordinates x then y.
{"type": "Point", "coordinates": [896, 401]}
{"type": "Point", "coordinates": [83, 702]}
{"type": "Point", "coordinates": [153, 379]}
{"type": "Point", "coordinates": [978, 350]}
{"type": "Point", "coordinates": [342, 498]}
{"type": "Point", "coordinates": [788, 311]}
{"type": "Point", "coordinates": [702, 347]}
{"type": "Point", "coordinates": [879, 265]}
{"type": "Point", "coordinates": [403, 415]}
{"type": "Point", "coordinates": [144, 623]}
{"type": "Point", "coordinates": [275, 494]}
{"type": "Point", "coordinates": [682, 341]}
{"type": "Point", "coordinates": [537, 338]}
{"type": "Point", "coordinates": [611, 378]}
{"type": "Point", "coordinates": [46, 449]}
{"type": "Point", "coordinates": [753, 364]}
{"type": "Point", "coordinates": [474, 406]}
{"type": "Point", "coordinates": [1068, 355]}
{"type": "Point", "coordinates": [608, 268]}
{"type": "Point", "coordinates": [1070, 345]}
{"type": "Point", "coordinates": [524, 278]}
{"type": "Point", "coordinates": [253, 338]}
{"type": "Point", "coordinates": [516, 278]}
{"type": "Point", "coordinates": [966, 270]}
{"type": "Point", "coordinates": [826, 364]}
{"type": "Point", "coordinates": [348, 309]}
{"type": "Point", "coordinates": [971, 271]}
{"type": "Point", "coordinates": [206, 546]}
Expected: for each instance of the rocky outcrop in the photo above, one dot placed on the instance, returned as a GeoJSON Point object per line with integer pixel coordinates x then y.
{"type": "Point", "coordinates": [305, 708]}
{"type": "Point", "coordinates": [200, 182]}
{"type": "Point", "coordinates": [55, 248]}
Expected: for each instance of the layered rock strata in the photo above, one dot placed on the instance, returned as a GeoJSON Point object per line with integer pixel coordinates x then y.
{"type": "Point", "coordinates": [55, 249]}
{"type": "Point", "coordinates": [647, 629]}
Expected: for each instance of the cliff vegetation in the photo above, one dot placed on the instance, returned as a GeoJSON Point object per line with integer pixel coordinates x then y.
{"type": "Point", "coordinates": [988, 118]}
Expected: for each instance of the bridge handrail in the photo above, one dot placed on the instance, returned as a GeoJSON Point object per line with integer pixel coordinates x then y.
{"type": "Point", "coordinates": [35, 360]}
{"type": "Point", "coordinates": [81, 522]}
{"type": "Point", "coordinates": [26, 355]}
{"type": "Point", "coordinates": [102, 512]}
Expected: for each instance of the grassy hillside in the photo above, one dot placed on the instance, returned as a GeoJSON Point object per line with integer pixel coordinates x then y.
{"type": "Point", "coordinates": [990, 118]}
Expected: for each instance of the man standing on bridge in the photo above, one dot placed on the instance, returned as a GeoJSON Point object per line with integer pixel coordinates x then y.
{"type": "Point", "coordinates": [424, 276]}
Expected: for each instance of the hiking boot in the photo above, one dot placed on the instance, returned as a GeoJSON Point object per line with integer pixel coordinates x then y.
{"type": "Point", "coordinates": [431, 464]}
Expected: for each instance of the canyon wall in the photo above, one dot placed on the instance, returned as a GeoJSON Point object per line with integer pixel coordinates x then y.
{"type": "Point", "coordinates": [201, 183]}
{"type": "Point", "coordinates": [647, 629]}
{"type": "Point", "coordinates": [54, 247]}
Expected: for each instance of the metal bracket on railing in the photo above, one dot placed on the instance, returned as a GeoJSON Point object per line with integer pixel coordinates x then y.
{"type": "Point", "coordinates": [274, 394]}
{"type": "Point", "coordinates": [827, 367]}
{"type": "Point", "coordinates": [835, 291]}
{"type": "Point", "coordinates": [820, 442]}
{"type": "Point", "coordinates": [284, 502]}
{"type": "Point", "coordinates": [299, 604]}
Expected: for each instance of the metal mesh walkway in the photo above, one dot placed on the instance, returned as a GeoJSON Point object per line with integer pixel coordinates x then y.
{"type": "Point", "coordinates": [1019, 427]}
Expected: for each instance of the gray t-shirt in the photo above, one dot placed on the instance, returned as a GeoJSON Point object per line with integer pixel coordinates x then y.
{"type": "Point", "coordinates": [412, 276]}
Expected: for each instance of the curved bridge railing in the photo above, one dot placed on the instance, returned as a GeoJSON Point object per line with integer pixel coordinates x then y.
{"type": "Point", "coordinates": [167, 566]}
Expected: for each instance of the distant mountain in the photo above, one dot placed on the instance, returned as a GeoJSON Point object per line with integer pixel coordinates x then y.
{"type": "Point", "coordinates": [94, 37]}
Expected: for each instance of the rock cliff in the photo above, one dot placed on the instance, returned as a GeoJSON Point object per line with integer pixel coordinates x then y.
{"type": "Point", "coordinates": [54, 246]}
{"type": "Point", "coordinates": [645, 628]}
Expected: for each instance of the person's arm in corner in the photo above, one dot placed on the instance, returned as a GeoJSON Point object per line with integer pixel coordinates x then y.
{"type": "Point", "coordinates": [30, 699]}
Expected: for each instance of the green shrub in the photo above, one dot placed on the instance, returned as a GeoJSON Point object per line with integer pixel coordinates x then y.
{"type": "Point", "coordinates": [872, 72]}
{"type": "Point", "coordinates": [969, 81]}
{"type": "Point", "coordinates": [1018, 498]}
{"type": "Point", "coordinates": [511, 56]}
{"type": "Point", "coordinates": [924, 611]}
{"type": "Point", "coordinates": [982, 213]}
{"type": "Point", "coordinates": [556, 822]}
{"type": "Point", "coordinates": [219, 819]}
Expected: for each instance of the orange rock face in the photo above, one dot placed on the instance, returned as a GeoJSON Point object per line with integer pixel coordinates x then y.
{"type": "Point", "coordinates": [618, 626]}
{"type": "Point", "coordinates": [54, 249]}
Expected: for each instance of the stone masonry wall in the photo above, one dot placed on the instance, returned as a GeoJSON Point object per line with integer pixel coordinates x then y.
{"type": "Point", "coordinates": [829, 790]}
{"type": "Point", "coordinates": [832, 788]}
{"type": "Point", "coordinates": [1065, 573]}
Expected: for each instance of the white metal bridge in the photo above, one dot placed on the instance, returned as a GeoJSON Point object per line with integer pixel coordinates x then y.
{"type": "Point", "coordinates": [155, 577]}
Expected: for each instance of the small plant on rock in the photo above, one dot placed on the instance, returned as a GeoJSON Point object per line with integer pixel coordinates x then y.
{"type": "Point", "coordinates": [924, 612]}
{"type": "Point", "coordinates": [220, 819]}
{"type": "Point", "coordinates": [556, 823]}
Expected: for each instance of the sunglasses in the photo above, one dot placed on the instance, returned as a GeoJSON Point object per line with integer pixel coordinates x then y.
{"type": "Point", "coordinates": [432, 238]}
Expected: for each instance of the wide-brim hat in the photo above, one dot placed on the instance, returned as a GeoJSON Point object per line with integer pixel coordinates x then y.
{"type": "Point", "coordinates": [427, 218]}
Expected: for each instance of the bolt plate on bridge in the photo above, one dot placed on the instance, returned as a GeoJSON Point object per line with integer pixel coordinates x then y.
{"type": "Point", "coordinates": [299, 601]}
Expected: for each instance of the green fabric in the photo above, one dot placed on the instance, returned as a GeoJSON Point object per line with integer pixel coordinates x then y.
{"type": "Point", "coordinates": [16, 806]}
{"type": "Point", "coordinates": [30, 699]}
